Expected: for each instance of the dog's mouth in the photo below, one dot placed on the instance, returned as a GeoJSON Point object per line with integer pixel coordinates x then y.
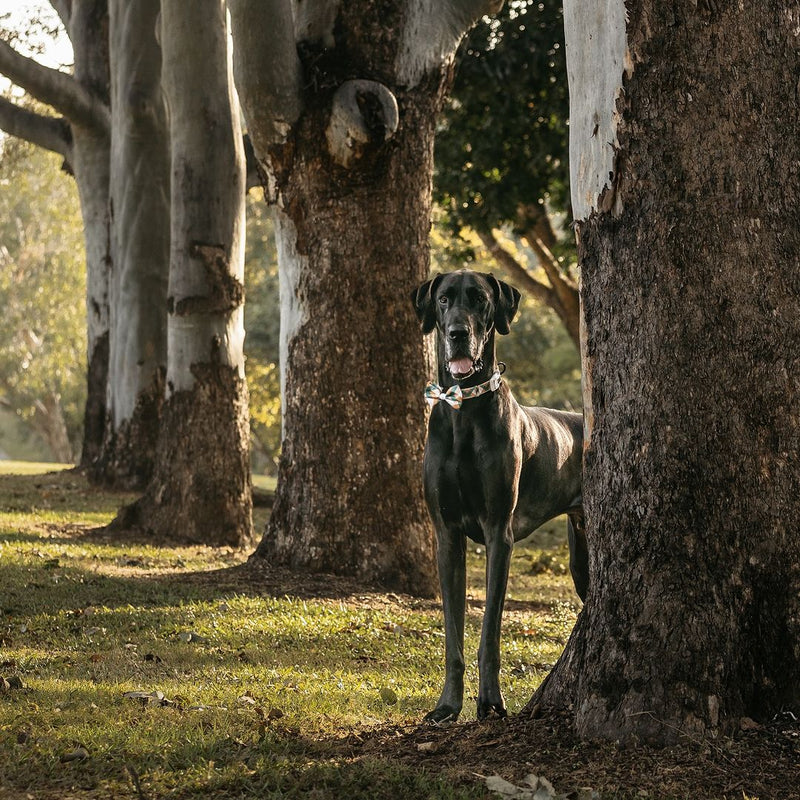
{"type": "Point", "coordinates": [461, 368]}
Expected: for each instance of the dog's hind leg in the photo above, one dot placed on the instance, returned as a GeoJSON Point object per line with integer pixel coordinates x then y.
{"type": "Point", "coordinates": [578, 553]}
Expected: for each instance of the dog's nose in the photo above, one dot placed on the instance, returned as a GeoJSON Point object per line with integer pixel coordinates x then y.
{"type": "Point", "coordinates": [458, 333]}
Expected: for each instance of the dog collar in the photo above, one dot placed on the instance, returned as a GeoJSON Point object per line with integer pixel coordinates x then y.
{"type": "Point", "coordinates": [455, 395]}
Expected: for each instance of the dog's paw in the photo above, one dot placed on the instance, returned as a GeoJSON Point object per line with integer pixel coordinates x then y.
{"type": "Point", "coordinates": [489, 711]}
{"type": "Point", "coordinates": [441, 715]}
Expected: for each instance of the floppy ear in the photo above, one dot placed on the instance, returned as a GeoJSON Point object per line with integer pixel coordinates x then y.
{"type": "Point", "coordinates": [506, 302]}
{"type": "Point", "coordinates": [423, 300]}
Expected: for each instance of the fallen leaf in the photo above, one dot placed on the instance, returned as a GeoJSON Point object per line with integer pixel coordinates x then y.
{"type": "Point", "coordinates": [747, 724]}
{"type": "Point", "coordinates": [191, 636]}
{"type": "Point", "coordinates": [10, 684]}
{"type": "Point", "coordinates": [426, 747]}
{"type": "Point", "coordinates": [534, 788]}
{"type": "Point", "coordinates": [80, 753]}
{"type": "Point", "coordinates": [155, 698]}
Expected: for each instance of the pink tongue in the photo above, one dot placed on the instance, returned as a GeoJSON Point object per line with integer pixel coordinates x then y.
{"type": "Point", "coordinates": [460, 366]}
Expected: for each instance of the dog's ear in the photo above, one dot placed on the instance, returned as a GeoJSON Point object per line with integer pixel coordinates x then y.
{"type": "Point", "coordinates": [424, 298]}
{"type": "Point", "coordinates": [506, 303]}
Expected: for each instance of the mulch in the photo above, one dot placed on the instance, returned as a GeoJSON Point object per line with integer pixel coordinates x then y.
{"type": "Point", "coordinates": [761, 763]}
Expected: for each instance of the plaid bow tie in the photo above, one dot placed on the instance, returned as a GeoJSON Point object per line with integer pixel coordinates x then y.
{"type": "Point", "coordinates": [455, 395]}
{"type": "Point", "coordinates": [434, 393]}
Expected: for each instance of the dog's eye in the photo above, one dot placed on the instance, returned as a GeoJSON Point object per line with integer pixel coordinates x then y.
{"type": "Point", "coordinates": [443, 300]}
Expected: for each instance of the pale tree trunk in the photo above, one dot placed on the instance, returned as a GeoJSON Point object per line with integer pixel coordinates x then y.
{"type": "Point", "coordinates": [82, 137]}
{"type": "Point", "coordinates": [200, 491]}
{"type": "Point", "coordinates": [139, 246]}
{"type": "Point", "coordinates": [692, 489]}
{"type": "Point", "coordinates": [48, 421]}
{"type": "Point", "coordinates": [350, 170]}
{"type": "Point", "coordinates": [88, 31]}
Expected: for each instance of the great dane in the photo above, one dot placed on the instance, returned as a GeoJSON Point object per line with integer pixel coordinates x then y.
{"type": "Point", "coordinates": [494, 470]}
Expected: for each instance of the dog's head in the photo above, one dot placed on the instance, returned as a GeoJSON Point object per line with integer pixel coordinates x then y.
{"type": "Point", "coordinates": [465, 307]}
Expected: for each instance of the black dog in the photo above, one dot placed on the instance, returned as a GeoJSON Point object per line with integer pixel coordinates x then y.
{"type": "Point", "coordinates": [494, 471]}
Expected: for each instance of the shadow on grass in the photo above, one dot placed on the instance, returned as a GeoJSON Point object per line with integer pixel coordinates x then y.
{"type": "Point", "coordinates": [63, 492]}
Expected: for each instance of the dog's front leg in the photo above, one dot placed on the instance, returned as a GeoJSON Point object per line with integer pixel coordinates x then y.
{"type": "Point", "coordinates": [499, 544]}
{"type": "Point", "coordinates": [452, 561]}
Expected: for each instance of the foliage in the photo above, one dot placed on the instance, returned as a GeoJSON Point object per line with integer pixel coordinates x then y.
{"type": "Point", "coordinates": [262, 323]}
{"type": "Point", "coordinates": [42, 286]}
{"type": "Point", "coordinates": [256, 689]}
{"type": "Point", "coordinates": [503, 141]}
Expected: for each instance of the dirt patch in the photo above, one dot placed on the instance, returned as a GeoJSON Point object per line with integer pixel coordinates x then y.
{"type": "Point", "coordinates": [760, 763]}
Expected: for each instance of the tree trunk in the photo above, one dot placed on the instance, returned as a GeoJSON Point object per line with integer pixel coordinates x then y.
{"type": "Point", "coordinates": [48, 421]}
{"type": "Point", "coordinates": [139, 247]}
{"type": "Point", "coordinates": [352, 177]}
{"type": "Point", "coordinates": [349, 498]}
{"type": "Point", "coordinates": [691, 280]}
{"type": "Point", "coordinates": [200, 491]}
{"type": "Point", "coordinates": [88, 31]}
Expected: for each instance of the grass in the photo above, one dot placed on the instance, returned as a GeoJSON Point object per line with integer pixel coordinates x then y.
{"type": "Point", "coordinates": [258, 693]}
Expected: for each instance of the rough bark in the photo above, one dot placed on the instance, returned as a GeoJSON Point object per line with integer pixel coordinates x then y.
{"type": "Point", "coordinates": [691, 480]}
{"type": "Point", "coordinates": [352, 181]}
{"type": "Point", "coordinates": [200, 491]}
{"type": "Point", "coordinates": [140, 217]}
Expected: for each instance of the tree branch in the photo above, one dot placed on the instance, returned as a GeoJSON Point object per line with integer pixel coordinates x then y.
{"type": "Point", "coordinates": [539, 290]}
{"type": "Point", "coordinates": [473, 10]}
{"type": "Point", "coordinates": [51, 133]}
{"type": "Point", "coordinates": [364, 115]}
{"type": "Point", "coordinates": [267, 69]}
{"type": "Point", "coordinates": [56, 88]}
{"type": "Point", "coordinates": [566, 290]}
{"type": "Point", "coordinates": [566, 303]}
{"type": "Point", "coordinates": [64, 10]}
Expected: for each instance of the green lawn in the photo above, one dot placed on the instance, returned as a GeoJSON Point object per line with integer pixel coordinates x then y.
{"type": "Point", "coordinates": [253, 692]}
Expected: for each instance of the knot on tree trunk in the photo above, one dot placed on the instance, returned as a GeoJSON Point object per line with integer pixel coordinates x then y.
{"type": "Point", "coordinates": [225, 292]}
{"type": "Point", "coordinates": [364, 115]}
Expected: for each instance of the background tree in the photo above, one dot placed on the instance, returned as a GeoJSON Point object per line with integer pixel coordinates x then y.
{"type": "Point", "coordinates": [82, 136]}
{"type": "Point", "coordinates": [340, 102]}
{"type": "Point", "coordinates": [42, 281]}
{"type": "Point", "coordinates": [200, 490]}
{"type": "Point", "coordinates": [126, 318]}
{"type": "Point", "coordinates": [501, 151]}
{"type": "Point", "coordinates": [685, 166]}
{"type": "Point", "coordinates": [140, 218]}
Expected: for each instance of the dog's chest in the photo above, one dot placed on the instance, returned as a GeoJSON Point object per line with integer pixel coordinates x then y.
{"type": "Point", "coordinates": [454, 484]}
